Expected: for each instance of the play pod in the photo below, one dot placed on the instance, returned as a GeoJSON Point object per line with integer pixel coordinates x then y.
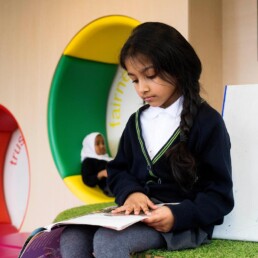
{"type": "Point", "coordinates": [90, 93]}
{"type": "Point", "coordinates": [14, 173]}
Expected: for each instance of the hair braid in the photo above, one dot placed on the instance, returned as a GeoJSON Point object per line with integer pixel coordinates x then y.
{"type": "Point", "coordinates": [182, 162]}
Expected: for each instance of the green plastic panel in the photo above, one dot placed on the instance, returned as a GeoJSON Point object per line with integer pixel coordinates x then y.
{"type": "Point", "coordinates": [77, 106]}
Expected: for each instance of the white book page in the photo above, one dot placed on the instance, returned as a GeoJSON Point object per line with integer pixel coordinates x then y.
{"type": "Point", "coordinates": [105, 219]}
{"type": "Point", "coordinates": [114, 221]}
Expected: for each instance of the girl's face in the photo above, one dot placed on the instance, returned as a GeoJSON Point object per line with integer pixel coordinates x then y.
{"type": "Point", "coordinates": [149, 86]}
{"type": "Point", "coordinates": [100, 147]}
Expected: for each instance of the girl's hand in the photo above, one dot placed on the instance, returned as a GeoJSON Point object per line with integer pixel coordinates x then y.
{"type": "Point", "coordinates": [161, 219]}
{"type": "Point", "coordinates": [135, 203]}
{"type": "Point", "coordinates": [102, 173]}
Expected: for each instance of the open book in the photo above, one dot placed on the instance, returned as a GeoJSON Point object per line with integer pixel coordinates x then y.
{"type": "Point", "coordinates": [44, 242]}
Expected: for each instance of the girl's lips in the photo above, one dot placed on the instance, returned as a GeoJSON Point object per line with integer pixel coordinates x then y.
{"type": "Point", "coordinates": [148, 99]}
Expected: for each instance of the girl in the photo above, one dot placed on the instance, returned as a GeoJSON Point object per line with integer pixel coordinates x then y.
{"type": "Point", "coordinates": [94, 161]}
{"type": "Point", "coordinates": [174, 150]}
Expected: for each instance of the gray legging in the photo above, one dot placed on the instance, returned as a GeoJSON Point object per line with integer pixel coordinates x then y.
{"type": "Point", "coordinates": [83, 241]}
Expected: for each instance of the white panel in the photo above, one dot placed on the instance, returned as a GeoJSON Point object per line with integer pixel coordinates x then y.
{"type": "Point", "coordinates": [240, 113]}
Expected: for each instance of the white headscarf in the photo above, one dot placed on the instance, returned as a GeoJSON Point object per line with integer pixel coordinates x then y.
{"type": "Point", "coordinates": [88, 148]}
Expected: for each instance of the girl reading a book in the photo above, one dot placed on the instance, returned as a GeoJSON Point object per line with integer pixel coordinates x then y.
{"type": "Point", "coordinates": [174, 150]}
{"type": "Point", "coordinates": [94, 161]}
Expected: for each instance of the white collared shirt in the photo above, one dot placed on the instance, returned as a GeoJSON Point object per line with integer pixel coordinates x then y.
{"type": "Point", "coordinates": [158, 125]}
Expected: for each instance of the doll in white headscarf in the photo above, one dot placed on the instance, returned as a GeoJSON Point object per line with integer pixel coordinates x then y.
{"type": "Point", "coordinates": [94, 159]}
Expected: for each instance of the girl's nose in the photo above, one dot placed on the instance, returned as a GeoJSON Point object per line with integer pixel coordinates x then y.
{"type": "Point", "coordinates": [143, 86]}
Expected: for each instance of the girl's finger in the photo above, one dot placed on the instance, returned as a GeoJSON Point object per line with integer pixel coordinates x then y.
{"type": "Point", "coordinates": [119, 209]}
{"type": "Point", "coordinates": [151, 205]}
{"type": "Point", "coordinates": [137, 211]}
{"type": "Point", "coordinates": [146, 210]}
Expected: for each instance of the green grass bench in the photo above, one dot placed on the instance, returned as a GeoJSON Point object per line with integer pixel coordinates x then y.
{"type": "Point", "coordinates": [216, 249]}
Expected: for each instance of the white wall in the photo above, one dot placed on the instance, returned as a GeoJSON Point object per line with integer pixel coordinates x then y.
{"type": "Point", "coordinates": [205, 34]}
{"type": "Point", "coordinates": [240, 44]}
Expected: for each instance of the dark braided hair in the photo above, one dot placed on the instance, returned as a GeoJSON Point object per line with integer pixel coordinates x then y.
{"type": "Point", "coordinates": [174, 59]}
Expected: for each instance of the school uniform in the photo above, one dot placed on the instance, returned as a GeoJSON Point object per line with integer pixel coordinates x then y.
{"type": "Point", "coordinates": [93, 163]}
{"type": "Point", "coordinates": [90, 169]}
{"type": "Point", "coordinates": [135, 169]}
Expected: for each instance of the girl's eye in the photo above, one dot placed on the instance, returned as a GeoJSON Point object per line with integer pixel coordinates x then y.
{"type": "Point", "coordinates": [134, 81]}
{"type": "Point", "coordinates": [151, 76]}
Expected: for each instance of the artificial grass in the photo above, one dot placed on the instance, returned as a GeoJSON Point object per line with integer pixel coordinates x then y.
{"type": "Point", "coordinates": [216, 249]}
{"type": "Point", "coordinates": [81, 210]}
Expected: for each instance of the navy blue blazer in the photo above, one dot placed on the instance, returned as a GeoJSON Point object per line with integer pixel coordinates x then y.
{"type": "Point", "coordinates": [211, 198]}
